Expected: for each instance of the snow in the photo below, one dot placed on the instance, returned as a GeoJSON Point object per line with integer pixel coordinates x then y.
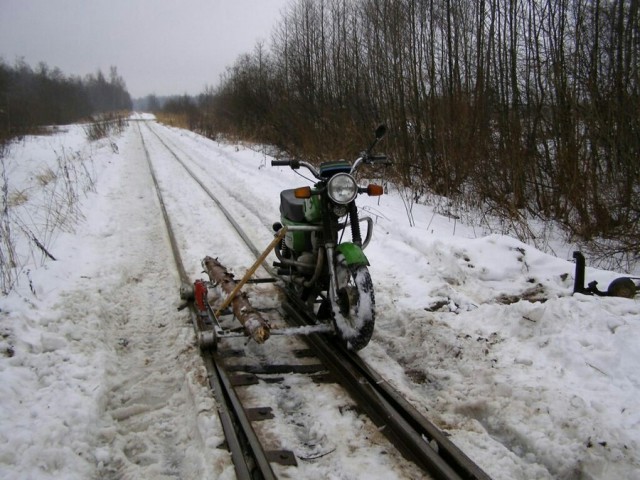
{"type": "Point", "coordinates": [100, 376]}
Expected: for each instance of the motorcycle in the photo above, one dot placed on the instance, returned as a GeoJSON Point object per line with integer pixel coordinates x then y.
{"type": "Point", "coordinates": [325, 271]}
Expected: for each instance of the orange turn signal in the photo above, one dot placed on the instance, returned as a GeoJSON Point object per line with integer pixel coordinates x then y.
{"type": "Point", "coordinates": [302, 192]}
{"type": "Point", "coordinates": [375, 190]}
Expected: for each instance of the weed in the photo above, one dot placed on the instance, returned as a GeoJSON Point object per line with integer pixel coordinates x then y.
{"type": "Point", "coordinates": [34, 216]}
{"type": "Point", "coordinates": [105, 126]}
{"type": "Point", "coordinates": [18, 198]}
{"type": "Point", "coordinates": [7, 245]}
{"type": "Point", "coordinates": [178, 120]}
{"type": "Point", "coordinates": [46, 176]}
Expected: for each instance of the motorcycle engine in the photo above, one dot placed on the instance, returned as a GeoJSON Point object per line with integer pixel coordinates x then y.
{"type": "Point", "coordinates": [309, 260]}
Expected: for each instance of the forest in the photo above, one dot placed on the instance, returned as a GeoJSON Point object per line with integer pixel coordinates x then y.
{"type": "Point", "coordinates": [526, 109]}
{"type": "Point", "coordinates": [522, 110]}
{"type": "Point", "coordinates": [31, 98]}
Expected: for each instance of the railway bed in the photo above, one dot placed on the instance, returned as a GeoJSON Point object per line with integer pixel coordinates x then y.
{"type": "Point", "coordinates": [269, 396]}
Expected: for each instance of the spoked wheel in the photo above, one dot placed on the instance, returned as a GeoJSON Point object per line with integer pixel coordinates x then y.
{"type": "Point", "coordinates": [354, 314]}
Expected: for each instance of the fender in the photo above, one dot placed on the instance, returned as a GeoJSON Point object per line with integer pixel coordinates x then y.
{"type": "Point", "coordinates": [353, 254]}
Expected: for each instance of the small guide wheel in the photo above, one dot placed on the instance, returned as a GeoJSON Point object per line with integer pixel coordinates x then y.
{"type": "Point", "coordinates": [187, 292]}
{"type": "Point", "coordinates": [208, 340]}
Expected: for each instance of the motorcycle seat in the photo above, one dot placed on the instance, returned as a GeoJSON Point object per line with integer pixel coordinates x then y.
{"type": "Point", "coordinates": [291, 207]}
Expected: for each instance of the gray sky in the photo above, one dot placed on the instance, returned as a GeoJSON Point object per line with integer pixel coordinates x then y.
{"type": "Point", "coordinates": [164, 47]}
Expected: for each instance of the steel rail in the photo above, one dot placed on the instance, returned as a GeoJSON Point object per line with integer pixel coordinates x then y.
{"type": "Point", "coordinates": [222, 208]}
{"type": "Point", "coordinates": [415, 437]}
{"type": "Point", "coordinates": [445, 448]}
{"type": "Point", "coordinates": [249, 458]}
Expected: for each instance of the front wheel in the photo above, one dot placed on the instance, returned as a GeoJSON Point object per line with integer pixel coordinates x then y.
{"type": "Point", "coordinates": [354, 312]}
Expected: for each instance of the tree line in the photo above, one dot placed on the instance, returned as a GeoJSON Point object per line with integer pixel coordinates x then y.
{"type": "Point", "coordinates": [30, 97]}
{"type": "Point", "coordinates": [528, 107]}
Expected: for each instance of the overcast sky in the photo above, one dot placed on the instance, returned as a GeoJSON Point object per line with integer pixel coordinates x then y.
{"type": "Point", "coordinates": [164, 47]}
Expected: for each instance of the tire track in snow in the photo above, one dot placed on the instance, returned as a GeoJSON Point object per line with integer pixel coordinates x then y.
{"type": "Point", "coordinates": [249, 204]}
{"type": "Point", "coordinates": [325, 439]}
{"type": "Point", "coordinates": [159, 418]}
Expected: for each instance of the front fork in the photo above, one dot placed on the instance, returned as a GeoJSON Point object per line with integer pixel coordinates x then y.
{"type": "Point", "coordinates": [352, 252]}
{"type": "Point", "coordinates": [333, 289]}
{"type": "Point", "coordinates": [352, 256]}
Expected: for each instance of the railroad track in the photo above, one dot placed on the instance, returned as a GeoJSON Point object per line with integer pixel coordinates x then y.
{"type": "Point", "coordinates": [314, 364]}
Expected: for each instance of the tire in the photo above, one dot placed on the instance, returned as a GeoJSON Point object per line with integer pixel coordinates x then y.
{"type": "Point", "coordinates": [622, 287]}
{"type": "Point", "coordinates": [354, 315]}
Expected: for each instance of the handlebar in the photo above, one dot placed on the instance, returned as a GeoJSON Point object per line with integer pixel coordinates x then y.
{"type": "Point", "coordinates": [280, 163]}
{"type": "Point", "coordinates": [368, 160]}
{"type": "Point", "coordinates": [366, 157]}
{"type": "Point", "coordinates": [296, 164]}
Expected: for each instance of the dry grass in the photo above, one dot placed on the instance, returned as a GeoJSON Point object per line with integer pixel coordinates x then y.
{"type": "Point", "coordinates": [18, 198]}
{"type": "Point", "coordinates": [46, 176]}
{"type": "Point", "coordinates": [51, 205]}
{"type": "Point", "coordinates": [178, 120]}
{"type": "Point", "coordinates": [106, 125]}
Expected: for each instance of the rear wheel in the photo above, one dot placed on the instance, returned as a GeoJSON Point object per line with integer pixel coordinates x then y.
{"type": "Point", "coordinates": [354, 312]}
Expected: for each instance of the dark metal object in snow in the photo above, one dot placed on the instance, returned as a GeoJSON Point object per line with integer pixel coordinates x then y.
{"type": "Point", "coordinates": [620, 287]}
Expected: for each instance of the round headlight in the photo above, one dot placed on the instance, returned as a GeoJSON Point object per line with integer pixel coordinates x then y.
{"type": "Point", "coordinates": [342, 188]}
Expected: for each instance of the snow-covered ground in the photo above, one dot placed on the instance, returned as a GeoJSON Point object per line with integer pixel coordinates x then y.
{"type": "Point", "coordinates": [100, 377]}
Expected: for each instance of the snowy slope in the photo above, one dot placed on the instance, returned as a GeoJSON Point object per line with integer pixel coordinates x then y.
{"type": "Point", "coordinates": [100, 378]}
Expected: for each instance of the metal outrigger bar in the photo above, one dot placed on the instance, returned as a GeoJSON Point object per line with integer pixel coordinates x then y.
{"type": "Point", "coordinates": [288, 331]}
{"type": "Point", "coordinates": [208, 338]}
{"type": "Point", "coordinates": [306, 330]}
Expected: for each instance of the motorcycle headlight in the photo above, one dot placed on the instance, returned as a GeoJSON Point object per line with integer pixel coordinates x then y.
{"type": "Point", "coordinates": [342, 188]}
